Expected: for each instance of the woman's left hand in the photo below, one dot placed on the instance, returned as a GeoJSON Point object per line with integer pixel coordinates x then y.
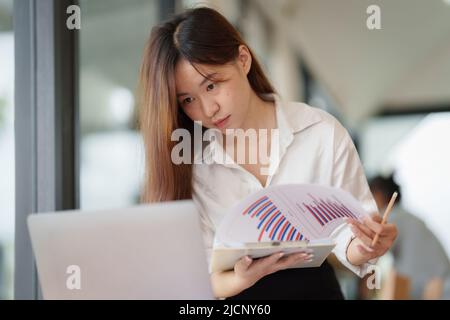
{"type": "Point", "coordinates": [365, 233]}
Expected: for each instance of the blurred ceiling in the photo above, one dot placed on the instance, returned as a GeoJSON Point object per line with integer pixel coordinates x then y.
{"type": "Point", "coordinates": [404, 65]}
{"type": "Point", "coordinates": [111, 41]}
{"type": "Point", "coordinates": [113, 35]}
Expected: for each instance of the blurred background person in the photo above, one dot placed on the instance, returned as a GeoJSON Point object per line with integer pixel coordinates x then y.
{"type": "Point", "coordinates": [418, 256]}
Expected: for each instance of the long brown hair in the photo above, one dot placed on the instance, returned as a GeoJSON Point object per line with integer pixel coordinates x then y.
{"type": "Point", "coordinates": [201, 36]}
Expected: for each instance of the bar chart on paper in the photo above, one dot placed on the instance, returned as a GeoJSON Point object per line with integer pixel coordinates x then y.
{"type": "Point", "coordinates": [270, 221]}
{"type": "Point", "coordinates": [289, 213]}
{"type": "Point", "coordinates": [318, 210]}
{"type": "Point", "coordinates": [326, 210]}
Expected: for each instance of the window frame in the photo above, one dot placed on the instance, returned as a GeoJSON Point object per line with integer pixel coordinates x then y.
{"type": "Point", "coordinates": [46, 124]}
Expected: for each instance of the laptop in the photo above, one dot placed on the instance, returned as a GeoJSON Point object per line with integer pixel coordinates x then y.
{"type": "Point", "coordinates": [151, 251]}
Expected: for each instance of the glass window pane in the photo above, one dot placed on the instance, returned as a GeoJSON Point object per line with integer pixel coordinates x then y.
{"type": "Point", "coordinates": [112, 38]}
{"type": "Point", "coordinates": [6, 150]}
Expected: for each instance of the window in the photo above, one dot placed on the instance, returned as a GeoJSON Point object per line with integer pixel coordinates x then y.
{"type": "Point", "coordinates": [112, 39]}
{"type": "Point", "coordinates": [7, 193]}
{"type": "Point", "coordinates": [415, 147]}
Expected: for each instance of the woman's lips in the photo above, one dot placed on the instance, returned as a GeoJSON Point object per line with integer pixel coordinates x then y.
{"type": "Point", "coordinates": [222, 123]}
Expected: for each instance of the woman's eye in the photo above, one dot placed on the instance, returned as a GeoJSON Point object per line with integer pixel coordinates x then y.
{"type": "Point", "coordinates": [187, 101]}
{"type": "Point", "coordinates": [211, 87]}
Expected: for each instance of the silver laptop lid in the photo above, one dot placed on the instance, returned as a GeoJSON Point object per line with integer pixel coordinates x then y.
{"type": "Point", "coordinates": [144, 252]}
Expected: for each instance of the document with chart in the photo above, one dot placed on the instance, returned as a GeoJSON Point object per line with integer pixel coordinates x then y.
{"type": "Point", "coordinates": [289, 218]}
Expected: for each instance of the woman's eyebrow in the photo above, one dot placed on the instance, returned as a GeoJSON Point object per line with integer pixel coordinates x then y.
{"type": "Point", "coordinates": [207, 78]}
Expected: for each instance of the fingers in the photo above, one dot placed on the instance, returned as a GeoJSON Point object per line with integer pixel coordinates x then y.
{"type": "Point", "coordinates": [293, 259]}
{"type": "Point", "coordinates": [371, 227]}
{"type": "Point", "coordinates": [389, 231]}
{"type": "Point", "coordinates": [273, 258]}
{"type": "Point", "coordinates": [243, 264]}
{"type": "Point", "coordinates": [280, 261]}
{"type": "Point", "coordinates": [376, 227]}
{"type": "Point", "coordinates": [367, 241]}
{"type": "Point", "coordinates": [275, 262]}
{"type": "Point", "coordinates": [364, 229]}
{"type": "Point", "coordinates": [376, 217]}
{"type": "Point", "coordinates": [267, 262]}
{"type": "Point", "coordinates": [364, 250]}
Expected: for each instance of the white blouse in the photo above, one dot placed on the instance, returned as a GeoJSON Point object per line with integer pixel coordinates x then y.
{"type": "Point", "coordinates": [313, 148]}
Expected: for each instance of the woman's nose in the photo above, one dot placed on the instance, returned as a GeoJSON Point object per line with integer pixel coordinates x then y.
{"type": "Point", "coordinates": [210, 108]}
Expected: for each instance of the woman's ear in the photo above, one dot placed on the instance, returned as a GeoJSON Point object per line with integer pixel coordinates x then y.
{"type": "Point", "coordinates": [244, 59]}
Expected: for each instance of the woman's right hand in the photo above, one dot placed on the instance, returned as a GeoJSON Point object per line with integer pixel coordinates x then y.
{"type": "Point", "coordinates": [248, 271]}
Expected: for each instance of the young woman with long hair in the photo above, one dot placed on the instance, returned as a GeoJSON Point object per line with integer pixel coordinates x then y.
{"type": "Point", "coordinates": [197, 69]}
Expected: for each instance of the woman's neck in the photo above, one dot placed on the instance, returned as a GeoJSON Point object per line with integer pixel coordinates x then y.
{"type": "Point", "coordinates": [261, 114]}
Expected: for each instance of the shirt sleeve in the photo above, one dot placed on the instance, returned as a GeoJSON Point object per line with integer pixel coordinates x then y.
{"type": "Point", "coordinates": [200, 199]}
{"type": "Point", "coordinates": [348, 174]}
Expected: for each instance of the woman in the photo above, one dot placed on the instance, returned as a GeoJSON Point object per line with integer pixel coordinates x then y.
{"type": "Point", "coordinates": [197, 68]}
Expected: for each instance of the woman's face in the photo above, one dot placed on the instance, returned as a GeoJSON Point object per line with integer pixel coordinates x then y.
{"type": "Point", "coordinates": [222, 101]}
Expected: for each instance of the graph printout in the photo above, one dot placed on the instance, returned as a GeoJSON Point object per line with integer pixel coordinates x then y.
{"type": "Point", "coordinates": [289, 213]}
